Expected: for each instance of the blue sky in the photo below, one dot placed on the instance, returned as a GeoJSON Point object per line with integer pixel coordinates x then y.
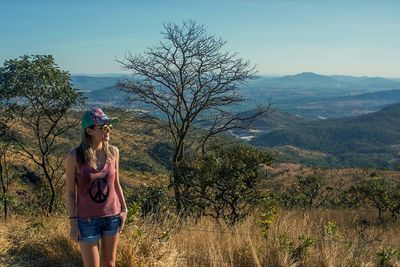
{"type": "Point", "coordinates": [360, 38]}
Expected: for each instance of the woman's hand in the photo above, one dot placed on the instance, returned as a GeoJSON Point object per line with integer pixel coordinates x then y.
{"type": "Point", "coordinates": [123, 219]}
{"type": "Point", "coordinates": [74, 230]}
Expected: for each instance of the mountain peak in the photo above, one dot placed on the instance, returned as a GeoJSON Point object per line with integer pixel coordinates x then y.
{"type": "Point", "coordinates": [308, 79]}
{"type": "Point", "coordinates": [310, 75]}
{"type": "Point", "coordinates": [307, 73]}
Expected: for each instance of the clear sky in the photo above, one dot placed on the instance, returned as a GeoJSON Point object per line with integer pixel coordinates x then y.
{"type": "Point", "coordinates": [281, 37]}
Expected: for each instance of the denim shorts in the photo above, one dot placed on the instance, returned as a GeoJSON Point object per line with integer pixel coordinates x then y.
{"type": "Point", "coordinates": [92, 229]}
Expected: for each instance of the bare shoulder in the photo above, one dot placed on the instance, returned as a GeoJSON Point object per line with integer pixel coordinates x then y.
{"type": "Point", "coordinates": [72, 153]}
{"type": "Point", "coordinates": [71, 159]}
{"type": "Point", "coordinates": [115, 150]}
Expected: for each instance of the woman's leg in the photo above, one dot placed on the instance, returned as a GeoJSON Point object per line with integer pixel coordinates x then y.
{"type": "Point", "coordinates": [90, 254]}
{"type": "Point", "coordinates": [109, 250]}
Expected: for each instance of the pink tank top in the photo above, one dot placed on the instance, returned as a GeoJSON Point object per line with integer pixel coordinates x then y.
{"type": "Point", "coordinates": [96, 196]}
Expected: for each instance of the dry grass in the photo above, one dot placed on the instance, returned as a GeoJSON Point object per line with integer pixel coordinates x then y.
{"type": "Point", "coordinates": [37, 242]}
{"type": "Point", "coordinates": [284, 175]}
{"type": "Point", "coordinates": [173, 242]}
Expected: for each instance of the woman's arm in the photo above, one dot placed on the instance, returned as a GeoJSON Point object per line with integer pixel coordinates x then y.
{"type": "Point", "coordinates": [71, 194]}
{"type": "Point", "coordinates": [118, 187]}
{"type": "Point", "coordinates": [71, 187]}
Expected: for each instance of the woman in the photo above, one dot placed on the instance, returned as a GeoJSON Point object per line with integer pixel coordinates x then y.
{"type": "Point", "coordinates": [96, 203]}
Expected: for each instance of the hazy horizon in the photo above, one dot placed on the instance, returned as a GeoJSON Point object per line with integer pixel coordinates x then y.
{"type": "Point", "coordinates": [355, 38]}
{"type": "Point", "coordinates": [260, 75]}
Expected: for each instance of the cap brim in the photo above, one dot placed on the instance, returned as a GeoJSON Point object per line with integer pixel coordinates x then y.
{"type": "Point", "coordinates": [113, 121]}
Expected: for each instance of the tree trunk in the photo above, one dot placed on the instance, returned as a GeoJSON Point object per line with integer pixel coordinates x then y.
{"type": "Point", "coordinates": [5, 200]}
{"type": "Point", "coordinates": [5, 208]}
{"type": "Point", "coordinates": [53, 192]}
{"type": "Point", "coordinates": [178, 196]}
{"type": "Point", "coordinates": [177, 160]}
{"type": "Point", "coordinates": [53, 197]}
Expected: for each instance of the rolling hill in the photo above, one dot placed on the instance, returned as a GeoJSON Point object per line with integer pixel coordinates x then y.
{"type": "Point", "coordinates": [370, 140]}
{"type": "Point", "coordinates": [307, 80]}
{"type": "Point", "coordinates": [352, 105]}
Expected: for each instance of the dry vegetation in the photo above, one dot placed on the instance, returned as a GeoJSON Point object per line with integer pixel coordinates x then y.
{"type": "Point", "coordinates": [329, 238]}
{"type": "Point", "coordinates": [283, 174]}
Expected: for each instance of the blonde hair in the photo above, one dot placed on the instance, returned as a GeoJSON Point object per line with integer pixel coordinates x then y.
{"type": "Point", "coordinates": [85, 152]}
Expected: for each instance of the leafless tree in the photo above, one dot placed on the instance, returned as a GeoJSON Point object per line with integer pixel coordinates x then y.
{"type": "Point", "coordinates": [186, 83]}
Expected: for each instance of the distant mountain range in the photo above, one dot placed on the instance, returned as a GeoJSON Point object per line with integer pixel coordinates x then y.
{"type": "Point", "coordinates": [312, 80]}
{"type": "Point", "coordinates": [306, 94]}
{"type": "Point", "coordinates": [309, 94]}
{"type": "Point", "coordinates": [306, 80]}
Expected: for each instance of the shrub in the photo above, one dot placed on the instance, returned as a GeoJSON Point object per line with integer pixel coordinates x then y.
{"type": "Point", "coordinates": [224, 183]}
{"type": "Point", "coordinates": [152, 200]}
{"type": "Point", "coordinates": [382, 193]}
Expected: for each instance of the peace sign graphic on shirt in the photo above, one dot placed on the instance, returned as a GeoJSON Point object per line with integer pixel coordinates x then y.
{"type": "Point", "coordinates": [99, 190]}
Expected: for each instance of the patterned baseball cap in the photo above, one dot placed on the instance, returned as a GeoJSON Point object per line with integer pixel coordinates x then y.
{"type": "Point", "coordinates": [96, 116]}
